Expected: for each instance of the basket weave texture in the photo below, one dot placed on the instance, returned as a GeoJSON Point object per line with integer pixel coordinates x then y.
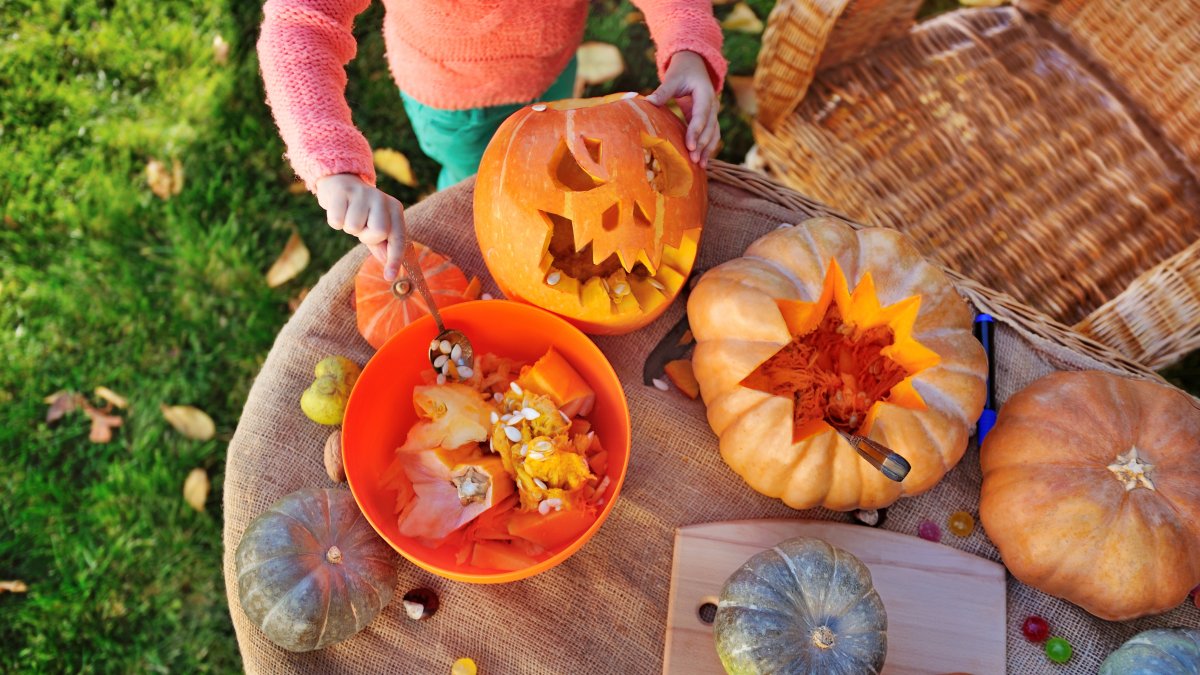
{"type": "Point", "coordinates": [604, 609]}
{"type": "Point", "coordinates": [1049, 151]}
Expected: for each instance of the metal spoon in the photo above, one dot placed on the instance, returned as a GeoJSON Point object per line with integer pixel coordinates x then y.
{"type": "Point", "coordinates": [879, 456]}
{"type": "Point", "coordinates": [448, 340]}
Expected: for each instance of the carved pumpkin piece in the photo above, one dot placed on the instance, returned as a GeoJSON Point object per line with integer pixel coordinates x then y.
{"type": "Point", "coordinates": [847, 356]}
{"type": "Point", "coordinates": [604, 187]}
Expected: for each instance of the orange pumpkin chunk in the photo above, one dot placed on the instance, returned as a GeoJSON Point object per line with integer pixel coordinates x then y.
{"type": "Point", "coordinates": [681, 375]}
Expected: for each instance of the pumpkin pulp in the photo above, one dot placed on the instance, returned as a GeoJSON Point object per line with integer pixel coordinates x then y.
{"type": "Point", "coordinates": [847, 356]}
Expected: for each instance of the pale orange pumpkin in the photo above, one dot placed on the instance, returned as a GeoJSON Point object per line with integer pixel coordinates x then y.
{"type": "Point", "coordinates": [820, 328]}
{"type": "Point", "coordinates": [591, 209]}
{"type": "Point", "coordinates": [1091, 492]}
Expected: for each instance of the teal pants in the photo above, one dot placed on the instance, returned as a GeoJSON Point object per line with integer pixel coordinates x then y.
{"type": "Point", "coordinates": [456, 139]}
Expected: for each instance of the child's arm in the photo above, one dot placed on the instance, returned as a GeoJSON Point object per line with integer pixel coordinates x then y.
{"type": "Point", "coordinates": [303, 50]}
{"type": "Point", "coordinates": [690, 66]}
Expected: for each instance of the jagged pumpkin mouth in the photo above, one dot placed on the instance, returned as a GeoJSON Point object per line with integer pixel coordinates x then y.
{"type": "Point", "coordinates": [848, 355]}
{"type": "Point", "coordinates": [575, 273]}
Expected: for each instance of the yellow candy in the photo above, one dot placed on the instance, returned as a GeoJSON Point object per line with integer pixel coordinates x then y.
{"type": "Point", "coordinates": [961, 523]}
{"type": "Point", "coordinates": [464, 666]}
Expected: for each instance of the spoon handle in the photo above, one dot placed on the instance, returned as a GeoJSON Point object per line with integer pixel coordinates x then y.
{"type": "Point", "coordinates": [879, 456]}
{"type": "Point", "coordinates": [417, 277]}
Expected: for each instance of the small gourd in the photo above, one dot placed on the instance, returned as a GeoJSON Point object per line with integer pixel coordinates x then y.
{"type": "Point", "coordinates": [311, 570]}
{"type": "Point", "coordinates": [803, 606]}
{"type": "Point", "coordinates": [1161, 651]}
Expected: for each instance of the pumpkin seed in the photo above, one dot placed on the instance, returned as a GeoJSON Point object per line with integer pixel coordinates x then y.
{"type": "Point", "coordinates": [497, 397]}
{"type": "Point", "coordinates": [661, 385]}
{"type": "Point", "coordinates": [486, 296]}
{"type": "Point", "coordinates": [555, 503]}
{"type": "Point", "coordinates": [602, 486]}
{"type": "Point", "coordinates": [444, 347]}
{"type": "Point", "coordinates": [465, 372]}
{"type": "Point", "coordinates": [495, 418]}
{"type": "Point", "coordinates": [540, 107]}
{"type": "Point", "coordinates": [540, 483]}
{"type": "Point", "coordinates": [543, 508]}
{"type": "Point", "coordinates": [544, 446]}
{"type": "Point", "coordinates": [440, 361]}
{"type": "Point", "coordinates": [553, 278]}
{"type": "Point", "coordinates": [530, 413]}
{"type": "Point", "coordinates": [657, 284]}
{"type": "Point", "coordinates": [621, 289]}
{"type": "Point", "coordinates": [513, 434]}
{"type": "Point", "coordinates": [456, 353]}
{"type": "Point", "coordinates": [516, 388]}
{"type": "Point", "coordinates": [441, 378]}
{"type": "Point", "coordinates": [536, 456]}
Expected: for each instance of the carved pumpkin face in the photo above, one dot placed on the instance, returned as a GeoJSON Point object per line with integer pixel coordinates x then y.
{"type": "Point", "coordinates": [591, 209]}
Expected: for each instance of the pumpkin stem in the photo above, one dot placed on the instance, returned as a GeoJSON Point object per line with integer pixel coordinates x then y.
{"type": "Point", "coordinates": [402, 288]}
{"type": "Point", "coordinates": [472, 486]}
{"type": "Point", "coordinates": [1132, 471]}
{"type": "Point", "coordinates": [334, 555]}
{"type": "Point", "coordinates": [824, 638]}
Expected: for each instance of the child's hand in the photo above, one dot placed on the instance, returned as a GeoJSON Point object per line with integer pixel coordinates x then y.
{"type": "Point", "coordinates": [687, 81]}
{"type": "Point", "coordinates": [375, 217]}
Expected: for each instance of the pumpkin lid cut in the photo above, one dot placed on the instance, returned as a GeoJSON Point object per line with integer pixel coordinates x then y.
{"type": "Point", "coordinates": [848, 355]}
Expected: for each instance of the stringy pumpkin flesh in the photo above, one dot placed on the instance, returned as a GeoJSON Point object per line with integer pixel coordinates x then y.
{"type": "Point", "coordinates": [844, 357]}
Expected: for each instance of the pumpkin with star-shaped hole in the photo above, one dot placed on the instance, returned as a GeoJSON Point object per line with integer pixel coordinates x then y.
{"type": "Point", "coordinates": [591, 209]}
{"type": "Point", "coordinates": [821, 329]}
{"type": "Point", "coordinates": [1091, 492]}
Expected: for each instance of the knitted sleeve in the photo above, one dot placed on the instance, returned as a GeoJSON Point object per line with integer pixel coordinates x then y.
{"type": "Point", "coordinates": [303, 50]}
{"type": "Point", "coordinates": [679, 25]}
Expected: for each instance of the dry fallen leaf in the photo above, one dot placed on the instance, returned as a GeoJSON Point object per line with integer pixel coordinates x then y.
{"type": "Point", "coordinates": [599, 62]}
{"type": "Point", "coordinates": [291, 262]}
{"type": "Point", "coordinates": [102, 424]}
{"type": "Point", "coordinates": [195, 489]}
{"type": "Point", "coordinates": [112, 397]}
{"type": "Point", "coordinates": [634, 17]}
{"type": "Point", "coordinates": [298, 187]}
{"type": "Point", "coordinates": [294, 302]}
{"type": "Point", "coordinates": [220, 50]}
{"type": "Point", "coordinates": [743, 20]}
{"type": "Point", "coordinates": [13, 586]}
{"type": "Point", "coordinates": [743, 91]}
{"type": "Point", "coordinates": [164, 182]}
{"type": "Point", "coordinates": [395, 164]}
{"type": "Point", "coordinates": [189, 421]}
{"type": "Point", "coordinates": [61, 403]}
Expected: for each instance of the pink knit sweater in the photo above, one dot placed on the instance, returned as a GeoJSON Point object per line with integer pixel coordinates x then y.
{"type": "Point", "coordinates": [452, 54]}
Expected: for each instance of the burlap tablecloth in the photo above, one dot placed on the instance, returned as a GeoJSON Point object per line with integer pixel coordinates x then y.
{"type": "Point", "coordinates": [603, 610]}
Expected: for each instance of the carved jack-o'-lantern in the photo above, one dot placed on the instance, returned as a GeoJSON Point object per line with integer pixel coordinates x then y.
{"type": "Point", "coordinates": [591, 209]}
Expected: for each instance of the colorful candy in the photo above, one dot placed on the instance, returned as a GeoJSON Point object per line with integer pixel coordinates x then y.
{"type": "Point", "coordinates": [1058, 650]}
{"type": "Point", "coordinates": [1035, 628]}
{"type": "Point", "coordinates": [929, 530]}
{"type": "Point", "coordinates": [961, 524]}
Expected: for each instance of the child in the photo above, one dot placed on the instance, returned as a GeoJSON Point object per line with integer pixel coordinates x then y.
{"type": "Point", "coordinates": [462, 66]}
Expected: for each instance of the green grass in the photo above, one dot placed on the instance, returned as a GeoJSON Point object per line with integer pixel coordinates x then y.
{"type": "Point", "coordinates": [164, 301]}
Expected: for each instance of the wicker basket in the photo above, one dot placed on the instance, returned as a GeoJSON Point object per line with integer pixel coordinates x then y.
{"type": "Point", "coordinates": [1049, 150]}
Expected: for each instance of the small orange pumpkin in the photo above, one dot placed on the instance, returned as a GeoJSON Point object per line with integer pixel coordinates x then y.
{"type": "Point", "coordinates": [820, 328]}
{"type": "Point", "coordinates": [591, 209]}
{"type": "Point", "coordinates": [1091, 492]}
{"type": "Point", "coordinates": [383, 307]}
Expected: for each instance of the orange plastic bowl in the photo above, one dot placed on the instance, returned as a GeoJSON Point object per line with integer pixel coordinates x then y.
{"type": "Point", "coordinates": [380, 412]}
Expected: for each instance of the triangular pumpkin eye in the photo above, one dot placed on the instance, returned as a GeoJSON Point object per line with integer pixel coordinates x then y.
{"type": "Point", "coordinates": [568, 173]}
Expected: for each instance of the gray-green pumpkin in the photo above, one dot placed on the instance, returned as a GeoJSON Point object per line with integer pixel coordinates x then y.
{"type": "Point", "coordinates": [312, 571]}
{"type": "Point", "coordinates": [1161, 651]}
{"type": "Point", "coordinates": [803, 606]}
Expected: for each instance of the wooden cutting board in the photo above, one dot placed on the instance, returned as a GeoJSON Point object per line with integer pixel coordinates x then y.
{"type": "Point", "coordinates": [945, 608]}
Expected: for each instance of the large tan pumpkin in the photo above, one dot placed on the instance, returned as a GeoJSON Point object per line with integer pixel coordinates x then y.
{"type": "Point", "coordinates": [1091, 492]}
{"type": "Point", "coordinates": [820, 328]}
{"type": "Point", "coordinates": [591, 209]}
